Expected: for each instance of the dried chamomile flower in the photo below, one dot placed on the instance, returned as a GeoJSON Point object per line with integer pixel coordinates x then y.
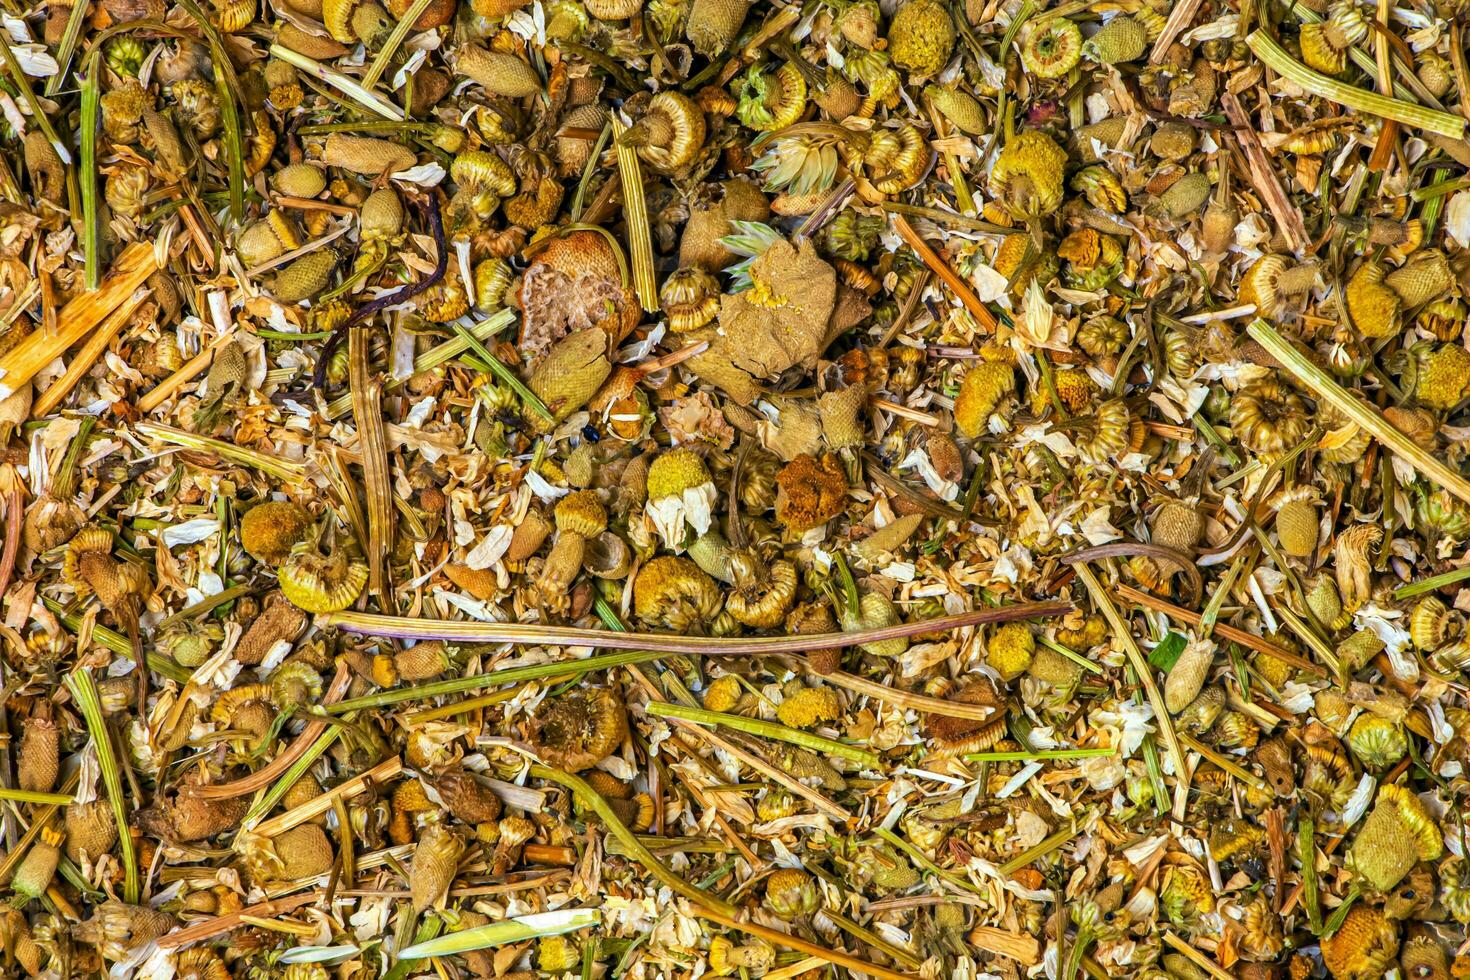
{"type": "Point", "coordinates": [680, 492]}
{"type": "Point", "coordinates": [1052, 48]}
{"type": "Point", "coordinates": [921, 37]}
{"type": "Point", "coordinates": [810, 491]}
{"type": "Point", "coordinates": [580, 729]}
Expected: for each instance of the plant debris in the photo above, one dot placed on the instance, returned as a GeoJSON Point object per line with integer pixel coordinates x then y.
{"type": "Point", "coordinates": [686, 488]}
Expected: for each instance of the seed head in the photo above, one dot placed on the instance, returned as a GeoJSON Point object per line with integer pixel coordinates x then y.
{"type": "Point", "coordinates": [435, 861]}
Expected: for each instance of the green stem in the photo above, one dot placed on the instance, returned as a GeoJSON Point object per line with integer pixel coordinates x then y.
{"type": "Point", "coordinates": [340, 82]}
{"type": "Point", "coordinates": [504, 374]}
{"type": "Point", "coordinates": [1041, 850]}
{"type": "Point", "coordinates": [918, 857]}
{"type": "Point", "coordinates": [430, 359]}
{"type": "Point", "coordinates": [119, 644]}
{"type": "Point", "coordinates": [508, 675]}
{"type": "Point", "coordinates": [630, 840]}
{"type": "Point", "coordinates": [279, 468]}
{"type": "Point", "coordinates": [1070, 654]}
{"type": "Point", "coordinates": [32, 796]}
{"type": "Point", "coordinates": [1432, 584]}
{"type": "Point", "coordinates": [1212, 609]}
{"type": "Point", "coordinates": [84, 690]}
{"type": "Point", "coordinates": [765, 729]}
{"type": "Point", "coordinates": [1360, 100]}
{"type": "Point", "coordinates": [400, 31]}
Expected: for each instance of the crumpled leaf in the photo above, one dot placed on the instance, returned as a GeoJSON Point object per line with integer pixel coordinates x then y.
{"type": "Point", "coordinates": [780, 322]}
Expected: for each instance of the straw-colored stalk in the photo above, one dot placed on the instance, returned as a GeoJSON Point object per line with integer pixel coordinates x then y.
{"type": "Point", "coordinates": [357, 785]}
{"type": "Point", "coordinates": [629, 840]}
{"type": "Point", "coordinates": [1432, 584]}
{"type": "Point", "coordinates": [873, 939]}
{"type": "Point", "coordinates": [219, 925]}
{"type": "Point", "coordinates": [1041, 755]}
{"type": "Point", "coordinates": [385, 53]}
{"type": "Point", "coordinates": [1192, 618]}
{"type": "Point", "coordinates": [505, 375]}
{"type": "Point", "coordinates": [908, 699]}
{"type": "Point", "coordinates": [1141, 667]}
{"type": "Point", "coordinates": [279, 468]}
{"type": "Point", "coordinates": [372, 447]}
{"type": "Point", "coordinates": [1406, 85]}
{"type": "Point", "coordinates": [1039, 850]}
{"type": "Point", "coordinates": [77, 319]}
{"type": "Point", "coordinates": [765, 729]}
{"type": "Point", "coordinates": [635, 213]}
{"type": "Point", "coordinates": [117, 643]}
{"type": "Point", "coordinates": [84, 691]}
{"type": "Point", "coordinates": [190, 370]}
{"type": "Point", "coordinates": [1221, 762]}
{"type": "Point", "coordinates": [1197, 958]}
{"type": "Point", "coordinates": [1352, 97]}
{"type": "Point", "coordinates": [399, 627]}
{"type": "Point", "coordinates": [340, 82]}
{"type": "Point", "coordinates": [1324, 388]}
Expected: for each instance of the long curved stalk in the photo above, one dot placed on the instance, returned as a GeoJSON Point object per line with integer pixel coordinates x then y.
{"type": "Point", "coordinates": [629, 840]}
{"type": "Point", "coordinates": [403, 628]}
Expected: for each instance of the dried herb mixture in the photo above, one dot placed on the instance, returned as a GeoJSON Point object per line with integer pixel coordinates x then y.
{"type": "Point", "coordinates": [841, 488]}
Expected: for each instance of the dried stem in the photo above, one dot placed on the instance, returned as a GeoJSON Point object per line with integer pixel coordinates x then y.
{"type": "Point", "coordinates": [1367, 418]}
{"type": "Point", "coordinates": [530, 634]}
{"type": "Point", "coordinates": [372, 447]}
{"type": "Point", "coordinates": [635, 214]}
{"type": "Point", "coordinates": [629, 840]}
{"type": "Point", "coordinates": [765, 729]}
{"type": "Point", "coordinates": [79, 682]}
{"type": "Point", "coordinates": [1141, 667]}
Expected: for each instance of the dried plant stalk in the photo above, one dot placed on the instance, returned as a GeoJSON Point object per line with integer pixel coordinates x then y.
{"type": "Point", "coordinates": [833, 956]}
{"type": "Point", "coordinates": [47, 400]}
{"type": "Point", "coordinates": [635, 213]}
{"type": "Point", "coordinates": [279, 468]}
{"type": "Point", "coordinates": [190, 370]}
{"type": "Point", "coordinates": [1263, 175]}
{"type": "Point", "coordinates": [1141, 667]}
{"type": "Point", "coordinates": [765, 729]}
{"type": "Point", "coordinates": [84, 690]}
{"type": "Point", "coordinates": [629, 840]}
{"type": "Point", "coordinates": [372, 447]}
{"type": "Point", "coordinates": [78, 318]}
{"type": "Point", "coordinates": [355, 786]}
{"type": "Point", "coordinates": [1321, 385]}
{"type": "Point", "coordinates": [941, 268]}
{"type": "Point", "coordinates": [468, 632]}
{"type": "Point", "coordinates": [1268, 50]}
